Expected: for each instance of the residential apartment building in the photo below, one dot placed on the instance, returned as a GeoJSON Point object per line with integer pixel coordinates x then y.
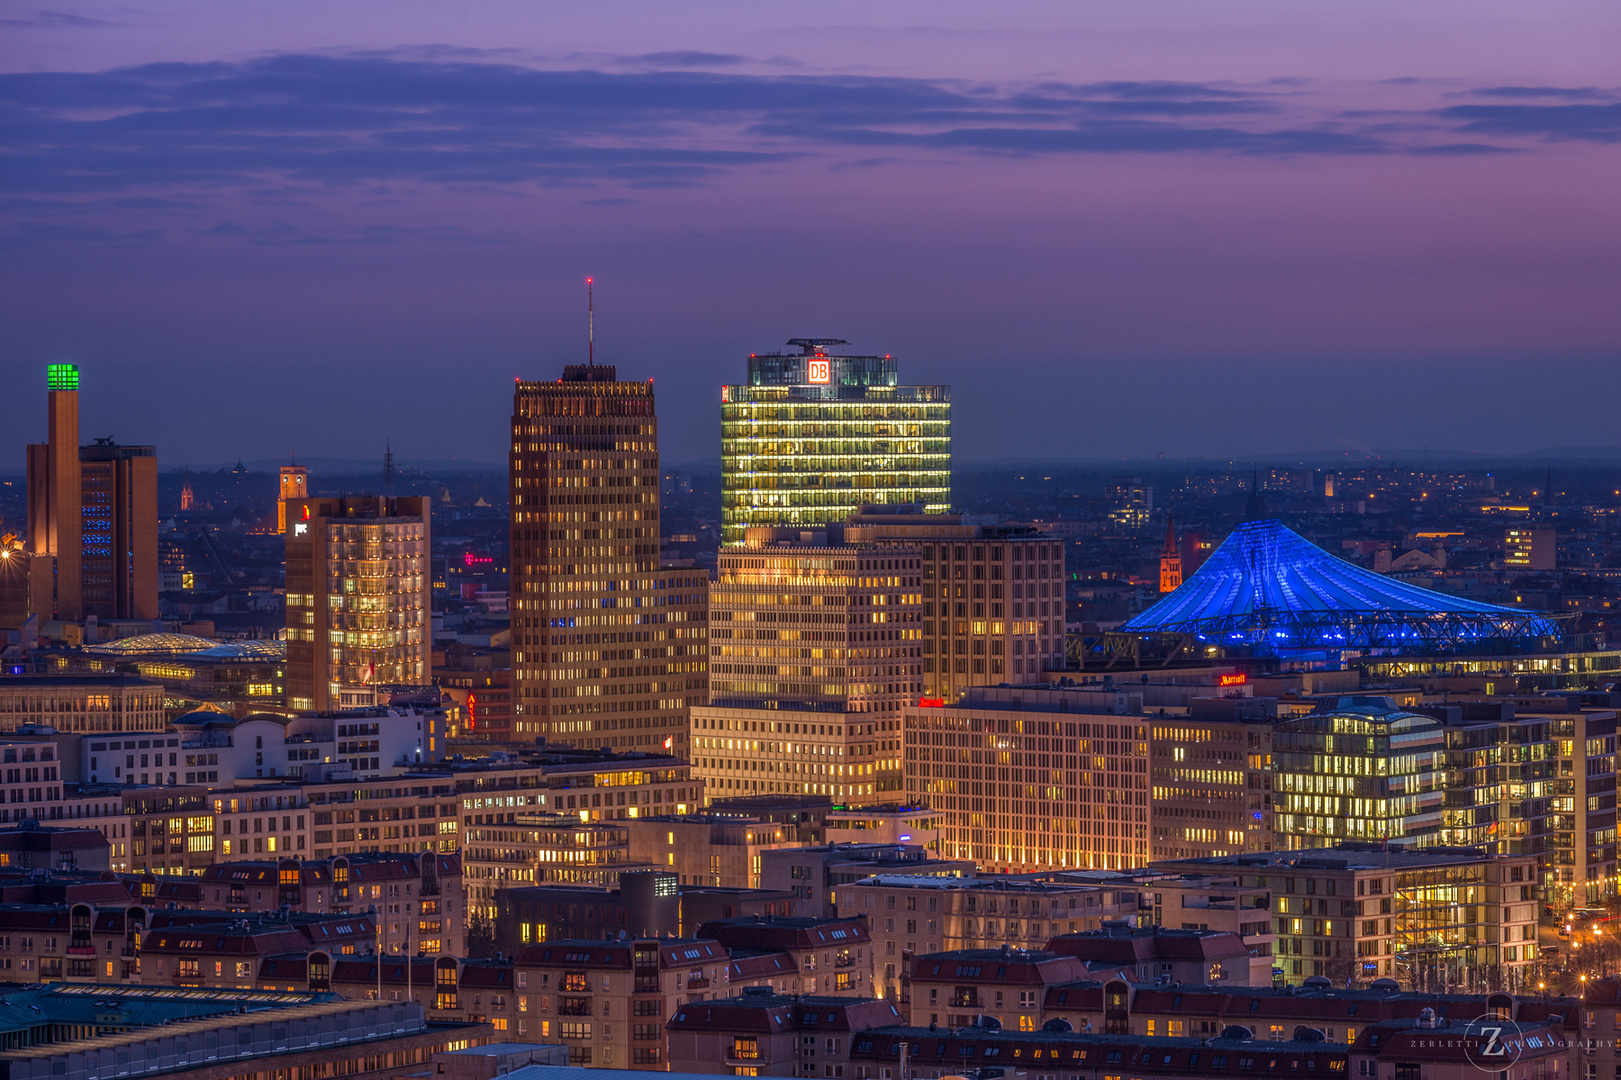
{"type": "Point", "coordinates": [609, 647]}
{"type": "Point", "coordinates": [1210, 902]}
{"type": "Point", "coordinates": [358, 598]}
{"type": "Point", "coordinates": [993, 596]}
{"type": "Point", "coordinates": [608, 1001]}
{"type": "Point", "coordinates": [761, 1033]}
{"type": "Point", "coordinates": [765, 1034]}
{"type": "Point", "coordinates": [203, 950]}
{"type": "Point", "coordinates": [832, 956]}
{"type": "Point", "coordinates": [415, 900]}
{"type": "Point", "coordinates": [1034, 778]}
{"type": "Point", "coordinates": [1155, 954]}
{"type": "Point", "coordinates": [1434, 919]}
{"type": "Point", "coordinates": [909, 915]}
{"type": "Point", "coordinates": [959, 987]}
{"type": "Point", "coordinates": [814, 651]}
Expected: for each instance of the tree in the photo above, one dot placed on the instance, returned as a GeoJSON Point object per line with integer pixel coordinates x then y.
{"type": "Point", "coordinates": [480, 937]}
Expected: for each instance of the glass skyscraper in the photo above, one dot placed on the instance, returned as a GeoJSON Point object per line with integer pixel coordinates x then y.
{"type": "Point", "coordinates": [812, 437]}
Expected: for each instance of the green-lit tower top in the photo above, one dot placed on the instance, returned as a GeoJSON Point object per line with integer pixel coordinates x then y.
{"type": "Point", "coordinates": [62, 376]}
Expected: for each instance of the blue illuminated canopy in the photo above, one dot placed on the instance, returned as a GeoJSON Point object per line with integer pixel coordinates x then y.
{"type": "Point", "coordinates": [1270, 590]}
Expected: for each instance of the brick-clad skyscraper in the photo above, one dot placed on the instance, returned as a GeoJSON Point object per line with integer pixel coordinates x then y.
{"type": "Point", "coordinates": [55, 516]}
{"type": "Point", "coordinates": [93, 513]}
{"type": "Point", "coordinates": [608, 648]}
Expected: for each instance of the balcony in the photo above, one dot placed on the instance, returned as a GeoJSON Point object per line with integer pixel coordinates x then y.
{"type": "Point", "coordinates": [697, 984]}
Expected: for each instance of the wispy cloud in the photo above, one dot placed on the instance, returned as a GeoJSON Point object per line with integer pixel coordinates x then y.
{"type": "Point", "coordinates": [309, 121]}
{"type": "Point", "coordinates": [689, 58]}
{"type": "Point", "coordinates": [1593, 123]}
{"type": "Point", "coordinates": [54, 20]}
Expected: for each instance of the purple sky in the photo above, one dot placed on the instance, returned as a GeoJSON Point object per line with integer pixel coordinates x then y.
{"type": "Point", "coordinates": [1116, 229]}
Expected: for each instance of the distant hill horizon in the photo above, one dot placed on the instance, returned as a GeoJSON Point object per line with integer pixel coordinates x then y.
{"type": "Point", "coordinates": [1559, 455]}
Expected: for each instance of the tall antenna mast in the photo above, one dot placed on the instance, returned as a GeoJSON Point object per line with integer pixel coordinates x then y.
{"type": "Point", "coordinates": [591, 323]}
{"type": "Point", "coordinates": [388, 468]}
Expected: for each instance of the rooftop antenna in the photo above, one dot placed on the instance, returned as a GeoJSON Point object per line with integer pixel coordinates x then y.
{"type": "Point", "coordinates": [590, 323]}
{"type": "Point", "coordinates": [388, 468]}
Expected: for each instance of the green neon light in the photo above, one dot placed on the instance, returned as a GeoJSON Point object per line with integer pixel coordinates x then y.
{"type": "Point", "coordinates": [62, 376]}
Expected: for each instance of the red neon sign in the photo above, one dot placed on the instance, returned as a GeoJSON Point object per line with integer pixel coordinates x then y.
{"type": "Point", "coordinates": [931, 703]}
{"type": "Point", "coordinates": [1232, 680]}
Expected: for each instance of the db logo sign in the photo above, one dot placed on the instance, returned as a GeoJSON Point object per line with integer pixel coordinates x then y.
{"type": "Point", "coordinates": [817, 371]}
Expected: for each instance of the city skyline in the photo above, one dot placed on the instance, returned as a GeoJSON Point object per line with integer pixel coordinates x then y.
{"type": "Point", "coordinates": [1093, 528]}
{"type": "Point", "coordinates": [1354, 226]}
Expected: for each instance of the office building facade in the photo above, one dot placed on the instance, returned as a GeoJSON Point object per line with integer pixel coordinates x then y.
{"type": "Point", "coordinates": [89, 704]}
{"type": "Point", "coordinates": [993, 596]}
{"type": "Point", "coordinates": [119, 530]}
{"type": "Point", "coordinates": [608, 646]}
{"type": "Point", "coordinates": [93, 514]}
{"type": "Point", "coordinates": [1447, 919]}
{"type": "Point", "coordinates": [814, 651]}
{"type": "Point", "coordinates": [357, 598]}
{"type": "Point", "coordinates": [812, 436]}
{"type": "Point", "coordinates": [1210, 779]}
{"type": "Point", "coordinates": [1034, 778]}
{"type": "Point", "coordinates": [1358, 769]}
{"type": "Point", "coordinates": [1530, 549]}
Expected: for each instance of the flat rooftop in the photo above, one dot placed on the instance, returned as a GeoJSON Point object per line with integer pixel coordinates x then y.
{"type": "Point", "coordinates": [1345, 857]}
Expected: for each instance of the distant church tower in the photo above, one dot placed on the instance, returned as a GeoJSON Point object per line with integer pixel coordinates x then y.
{"type": "Point", "coordinates": [1170, 561]}
{"type": "Point", "coordinates": [1255, 508]}
{"type": "Point", "coordinates": [186, 495]}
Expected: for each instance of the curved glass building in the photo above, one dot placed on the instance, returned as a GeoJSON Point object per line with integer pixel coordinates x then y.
{"type": "Point", "coordinates": [1361, 770]}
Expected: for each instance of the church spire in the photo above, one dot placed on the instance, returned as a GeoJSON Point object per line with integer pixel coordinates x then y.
{"type": "Point", "coordinates": [1170, 561]}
